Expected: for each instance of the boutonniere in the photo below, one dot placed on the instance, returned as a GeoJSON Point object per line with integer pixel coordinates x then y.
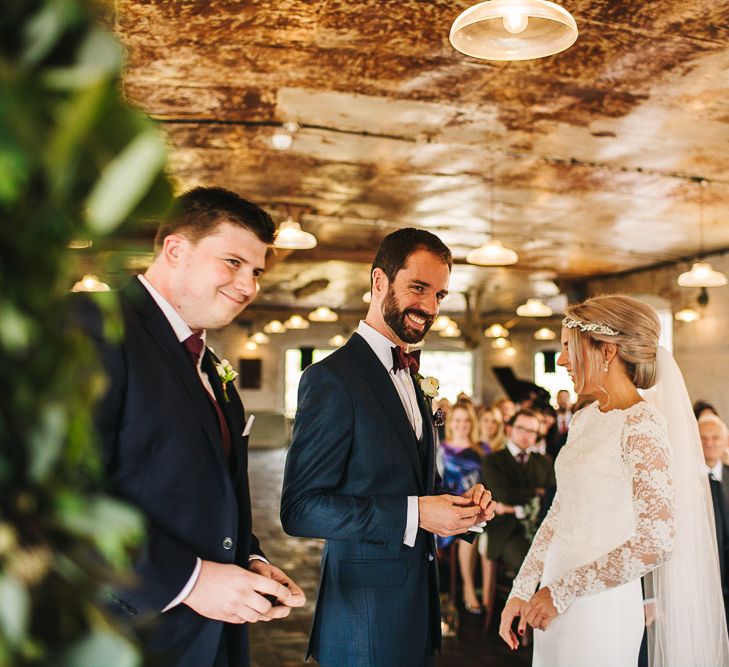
{"type": "Point", "coordinates": [429, 385]}
{"type": "Point", "coordinates": [226, 373]}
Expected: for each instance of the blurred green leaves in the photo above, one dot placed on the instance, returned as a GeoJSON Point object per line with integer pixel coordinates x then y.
{"type": "Point", "coordinates": [75, 162]}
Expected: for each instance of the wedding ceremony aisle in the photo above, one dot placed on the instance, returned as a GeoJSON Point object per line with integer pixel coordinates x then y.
{"type": "Point", "coordinates": [283, 644]}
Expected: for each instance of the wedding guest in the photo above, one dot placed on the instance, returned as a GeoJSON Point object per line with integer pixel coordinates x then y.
{"type": "Point", "coordinates": [714, 441]}
{"type": "Point", "coordinates": [518, 478]}
{"type": "Point", "coordinates": [702, 407]}
{"type": "Point", "coordinates": [461, 452]}
{"type": "Point", "coordinates": [491, 425]}
{"type": "Point", "coordinates": [506, 407]}
{"type": "Point", "coordinates": [445, 407]}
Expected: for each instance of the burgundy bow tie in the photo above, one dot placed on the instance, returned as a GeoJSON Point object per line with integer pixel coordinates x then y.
{"type": "Point", "coordinates": [194, 346]}
{"type": "Point", "coordinates": [405, 360]}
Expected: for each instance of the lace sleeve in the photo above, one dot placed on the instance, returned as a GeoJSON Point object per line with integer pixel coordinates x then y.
{"type": "Point", "coordinates": [646, 452]}
{"type": "Point", "coordinates": [531, 570]}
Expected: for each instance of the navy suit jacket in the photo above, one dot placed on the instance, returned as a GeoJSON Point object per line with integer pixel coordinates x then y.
{"type": "Point", "coordinates": [163, 453]}
{"type": "Point", "coordinates": [353, 461]}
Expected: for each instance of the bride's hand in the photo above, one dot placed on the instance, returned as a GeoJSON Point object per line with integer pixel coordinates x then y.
{"type": "Point", "coordinates": [514, 607]}
{"type": "Point", "coordinates": [540, 610]}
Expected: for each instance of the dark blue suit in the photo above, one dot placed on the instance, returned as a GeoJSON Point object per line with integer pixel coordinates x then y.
{"type": "Point", "coordinates": [163, 453]}
{"type": "Point", "coordinates": [353, 461]}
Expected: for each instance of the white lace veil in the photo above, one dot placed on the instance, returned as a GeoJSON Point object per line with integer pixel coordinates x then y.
{"type": "Point", "coordinates": [690, 628]}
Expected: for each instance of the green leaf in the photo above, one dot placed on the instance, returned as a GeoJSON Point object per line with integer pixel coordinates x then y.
{"type": "Point", "coordinates": [101, 648]}
{"type": "Point", "coordinates": [14, 608]}
{"type": "Point", "coordinates": [45, 28]}
{"type": "Point", "coordinates": [125, 181]}
{"type": "Point", "coordinates": [15, 328]}
{"type": "Point", "coordinates": [46, 440]}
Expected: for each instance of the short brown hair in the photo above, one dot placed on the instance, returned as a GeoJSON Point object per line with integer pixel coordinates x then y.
{"type": "Point", "coordinates": [393, 253]}
{"type": "Point", "coordinates": [198, 212]}
{"type": "Point", "coordinates": [526, 412]}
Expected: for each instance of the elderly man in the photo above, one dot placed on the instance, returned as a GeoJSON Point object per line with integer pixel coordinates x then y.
{"type": "Point", "coordinates": [714, 440]}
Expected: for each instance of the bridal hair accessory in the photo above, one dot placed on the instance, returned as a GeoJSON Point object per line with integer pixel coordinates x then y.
{"type": "Point", "coordinates": [591, 327]}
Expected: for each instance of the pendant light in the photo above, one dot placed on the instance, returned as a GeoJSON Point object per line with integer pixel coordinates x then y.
{"type": "Point", "coordinates": [90, 283]}
{"type": "Point", "coordinates": [513, 30]}
{"type": "Point", "coordinates": [544, 334]}
{"type": "Point", "coordinates": [296, 322]}
{"type": "Point", "coordinates": [441, 322]}
{"type": "Point", "coordinates": [534, 308]}
{"type": "Point", "coordinates": [323, 314]}
{"type": "Point", "coordinates": [290, 236]}
{"type": "Point", "coordinates": [702, 274]}
{"type": "Point", "coordinates": [686, 315]}
{"type": "Point", "coordinates": [496, 331]}
{"type": "Point", "coordinates": [492, 252]}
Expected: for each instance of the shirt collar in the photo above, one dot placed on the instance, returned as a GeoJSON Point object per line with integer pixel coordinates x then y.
{"type": "Point", "coordinates": [179, 326]}
{"type": "Point", "coordinates": [381, 345]}
{"type": "Point", "coordinates": [515, 449]}
{"type": "Point", "coordinates": [717, 470]}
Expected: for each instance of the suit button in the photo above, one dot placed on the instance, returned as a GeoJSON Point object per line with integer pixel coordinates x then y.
{"type": "Point", "coordinates": [227, 544]}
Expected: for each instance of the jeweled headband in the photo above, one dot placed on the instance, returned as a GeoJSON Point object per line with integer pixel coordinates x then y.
{"type": "Point", "coordinates": [590, 327]}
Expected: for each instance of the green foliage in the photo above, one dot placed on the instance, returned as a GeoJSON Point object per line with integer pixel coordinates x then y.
{"type": "Point", "coordinates": [75, 162]}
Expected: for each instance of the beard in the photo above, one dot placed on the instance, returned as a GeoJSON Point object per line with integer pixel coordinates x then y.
{"type": "Point", "coordinates": [396, 319]}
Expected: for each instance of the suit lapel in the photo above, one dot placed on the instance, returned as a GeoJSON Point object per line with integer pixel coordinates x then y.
{"type": "Point", "coordinates": [428, 434]}
{"type": "Point", "coordinates": [163, 335]}
{"type": "Point", "coordinates": [384, 390]}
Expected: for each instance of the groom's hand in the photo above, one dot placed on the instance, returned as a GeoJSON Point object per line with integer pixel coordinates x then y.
{"type": "Point", "coordinates": [232, 594]}
{"type": "Point", "coordinates": [447, 515]}
{"type": "Point", "coordinates": [282, 608]}
{"type": "Point", "coordinates": [480, 496]}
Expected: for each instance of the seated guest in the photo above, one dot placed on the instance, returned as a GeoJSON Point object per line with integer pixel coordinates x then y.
{"type": "Point", "coordinates": [491, 425]}
{"type": "Point", "coordinates": [515, 476]}
{"type": "Point", "coordinates": [714, 442]}
{"type": "Point", "coordinates": [461, 454]}
{"type": "Point", "coordinates": [506, 407]}
{"type": "Point", "coordinates": [564, 417]}
{"type": "Point", "coordinates": [702, 408]}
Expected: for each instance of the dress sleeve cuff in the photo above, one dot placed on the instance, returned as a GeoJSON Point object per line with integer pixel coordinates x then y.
{"type": "Point", "coordinates": [411, 527]}
{"type": "Point", "coordinates": [187, 588]}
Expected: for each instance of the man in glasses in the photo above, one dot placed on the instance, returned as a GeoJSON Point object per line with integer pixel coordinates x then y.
{"type": "Point", "coordinates": [517, 479]}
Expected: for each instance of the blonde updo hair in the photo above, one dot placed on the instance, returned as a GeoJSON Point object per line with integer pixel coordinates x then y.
{"type": "Point", "coordinates": [638, 330]}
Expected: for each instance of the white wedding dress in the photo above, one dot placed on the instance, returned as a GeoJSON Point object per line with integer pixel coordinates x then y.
{"type": "Point", "coordinates": [611, 523]}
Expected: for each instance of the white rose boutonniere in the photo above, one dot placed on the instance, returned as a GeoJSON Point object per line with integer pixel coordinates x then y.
{"type": "Point", "coordinates": [226, 373]}
{"type": "Point", "coordinates": [430, 386]}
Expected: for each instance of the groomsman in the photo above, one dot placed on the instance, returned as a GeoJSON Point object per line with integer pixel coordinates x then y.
{"type": "Point", "coordinates": [360, 472]}
{"type": "Point", "coordinates": [175, 436]}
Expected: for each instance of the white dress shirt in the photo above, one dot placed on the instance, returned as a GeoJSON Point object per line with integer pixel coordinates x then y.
{"type": "Point", "coordinates": [183, 331]}
{"type": "Point", "coordinates": [382, 347]}
{"type": "Point", "coordinates": [717, 471]}
{"type": "Point", "coordinates": [515, 450]}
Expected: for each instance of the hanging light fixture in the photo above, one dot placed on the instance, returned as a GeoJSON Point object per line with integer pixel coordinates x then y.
{"type": "Point", "coordinates": [496, 331]}
{"type": "Point", "coordinates": [687, 315]}
{"type": "Point", "coordinates": [337, 341]}
{"type": "Point", "coordinates": [441, 322]}
{"type": "Point", "coordinates": [283, 137]}
{"type": "Point", "coordinates": [492, 252]}
{"type": "Point", "coordinates": [451, 331]}
{"type": "Point", "coordinates": [367, 296]}
{"type": "Point", "coordinates": [323, 314]}
{"type": "Point", "coordinates": [80, 244]}
{"type": "Point", "coordinates": [250, 345]}
{"type": "Point", "coordinates": [702, 274]}
{"type": "Point", "coordinates": [290, 236]}
{"type": "Point", "coordinates": [544, 334]}
{"type": "Point", "coordinates": [296, 322]}
{"type": "Point", "coordinates": [274, 327]}
{"type": "Point", "coordinates": [510, 351]}
{"type": "Point", "coordinates": [513, 30]}
{"type": "Point", "coordinates": [534, 308]}
{"type": "Point", "coordinates": [260, 338]}
{"type": "Point", "coordinates": [90, 283]}
{"type": "Point", "coordinates": [500, 344]}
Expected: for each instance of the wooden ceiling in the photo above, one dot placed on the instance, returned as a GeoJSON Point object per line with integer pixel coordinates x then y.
{"type": "Point", "coordinates": [595, 152]}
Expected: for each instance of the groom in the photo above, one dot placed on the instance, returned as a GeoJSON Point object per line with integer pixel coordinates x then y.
{"type": "Point", "coordinates": [360, 472]}
{"type": "Point", "coordinates": [174, 437]}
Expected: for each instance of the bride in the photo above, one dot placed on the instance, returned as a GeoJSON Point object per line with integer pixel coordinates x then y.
{"type": "Point", "coordinates": [632, 501]}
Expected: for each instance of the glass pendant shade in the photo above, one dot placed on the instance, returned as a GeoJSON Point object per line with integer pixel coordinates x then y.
{"type": "Point", "coordinates": [367, 297]}
{"type": "Point", "coordinates": [260, 338]}
{"type": "Point", "coordinates": [534, 308]}
{"type": "Point", "coordinates": [686, 315]}
{"type": "Point", "coordinates": [451, 331]}
{"type": "Point", "coordinates": [337, 341]}
{"type": "Point", "coordinates": [496, 331]}
{"type": "Point", "coordinates": [544, 334]}
{"type": "Point", "coordinates": [296, 322]}
{"type": "Point", "coordinates": [274, 326]}
{"type": "Point", "coordinates": [290, 236]}
{"type": "Point", "coordinates": [513, 30]}
{"type": "Point", "coordinates": [702, 274]}
{"type": "Point", "coordinates": [510, 351]}
{"type": "Point", "coordinates": [250, 345]}
{"type": "Point", "coordinates": [500, 344]}
{"type": "Point", "coordinates": [90, 283]}
{"type": "Point", "coordinates": [323, 314]}
{"type": "Point", "coordinates": [492, 253]}
{"type": "Point", "coordinates": [441, 322]}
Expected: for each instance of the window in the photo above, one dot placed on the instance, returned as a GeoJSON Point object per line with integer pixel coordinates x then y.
{"type": "Point", "coordinates": [454, 370]}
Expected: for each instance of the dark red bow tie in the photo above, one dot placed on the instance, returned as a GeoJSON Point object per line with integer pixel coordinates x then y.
{"type": "Point", "coordinates": [405, 360]}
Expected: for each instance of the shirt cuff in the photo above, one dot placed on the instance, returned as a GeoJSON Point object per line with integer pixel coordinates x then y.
{"type": "Point", "coordinates": [188, 587]}
{"type": "Point", "coordinates": [519, 512]}
{"type": "Point", "coordinates": [257, 557]}
{"type": "Point", "coordinates": [411, 527]}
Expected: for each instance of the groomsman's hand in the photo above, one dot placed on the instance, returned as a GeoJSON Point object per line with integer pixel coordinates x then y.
{"type": "Point", "coordinates": [283, 607]}
{"type": "Point", "coordinates": [540, 610]}
{"type": "Point", "coordinates": [513, 608]}
{"type": "Point", "coordinates": [480, 496]}
{"type": "Point", "coordinates": [226, 592]}
{"type": "Point", "coordinates": [447, 515]}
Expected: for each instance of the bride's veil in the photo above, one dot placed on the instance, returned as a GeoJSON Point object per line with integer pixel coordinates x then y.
{"type": "Point", "coordinates": [690, 628]}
